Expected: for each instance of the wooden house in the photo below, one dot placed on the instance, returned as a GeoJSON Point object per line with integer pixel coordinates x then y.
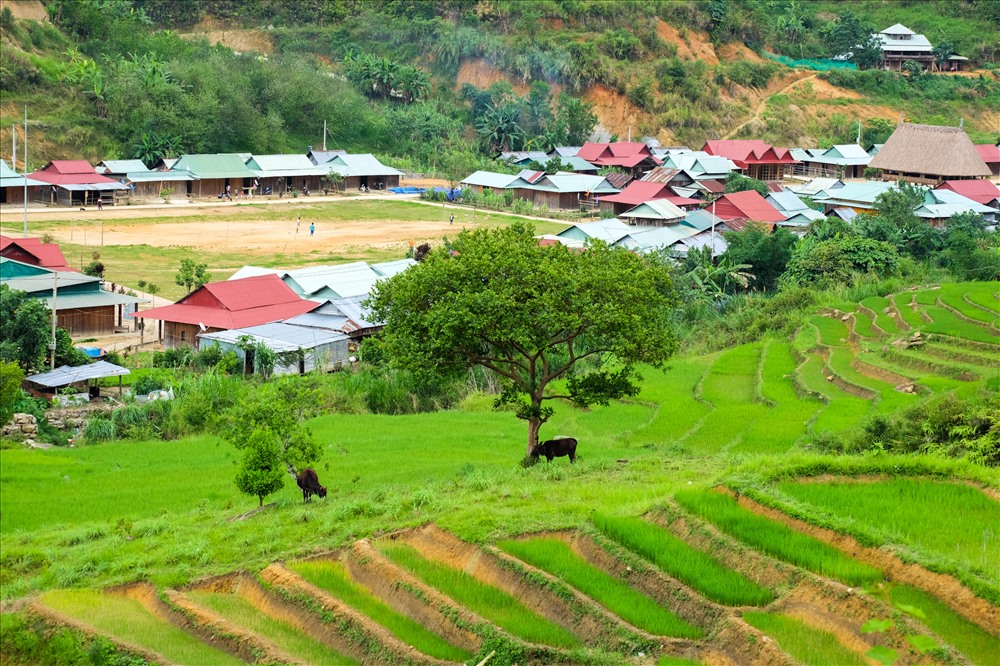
{"type": "Point", "coordinates": [212, 175]}
{"type": "Point", "coordinates": [34, 252]}
{"type": "Point", "coordinates": [75, 183]}
{"type": "Point", "coordinates": [222, 306]}
{"type": "Point", "coordinates": [363, 170]}
{"type": "Point", "coordinates": [754, 158]}
{"type": "Point", "coordinates": [634, 157]}
{"type": "Point", "coordinates": [900, 44]}
{"type": "Point", "coordinates": [145, 184]}
{"type": "Point", "coordinates": [12, 186]}
{"type": "Point", "coordinates": [980, 191]}
{"type": "Point", "coordinates": [991, 156]}
{"type": "Point", "coordinates": [749, 205]}
{"type": "Point", "coordinates": [563, 191]}
{"type": "Point", "coordinates": [287, 173]}
{"type": "Point", "coordinates": [641, 191]}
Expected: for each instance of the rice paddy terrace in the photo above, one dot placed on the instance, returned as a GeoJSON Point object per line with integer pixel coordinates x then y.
{"type": "Point", "coordinates": [781, 560]}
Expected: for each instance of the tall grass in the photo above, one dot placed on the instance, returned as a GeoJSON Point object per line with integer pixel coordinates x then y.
{"type": "Point", "coordinates": [807, 645]}
{"type": "Point", "coordinates": [489, 602]}
{"type": "Point", "coordinates": [909, 511]}
{"type": "Point", "coordinates": [288, 638]}
{"type": "Point", "coordinates": [775, 539]}
{"type": "Point", "coordinates": [694, 568]}
{"type": "Point", "coordinates": [128, 620]}
{"type": "Point", "coordinates": [968, 638]}
{"type": "Point", "coordinates": [333, 578]}
{"type": "Point", "coordinates": [557, 558]}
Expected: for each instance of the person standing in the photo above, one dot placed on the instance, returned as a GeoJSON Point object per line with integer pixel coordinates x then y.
{"type": "Point", "coordinates": [298, 223]}
{"type": "Point", "coordinates": [312, 228]}
{"type": "Point", "coordinates": [451, 220]}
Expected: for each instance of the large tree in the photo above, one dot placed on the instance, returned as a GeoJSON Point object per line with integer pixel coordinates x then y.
{"type": "Point", "coordinates": [549, 321]}
{"type": "Point", "coordinates": [25, 329]}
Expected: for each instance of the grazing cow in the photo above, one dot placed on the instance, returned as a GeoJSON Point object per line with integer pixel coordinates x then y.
{"type": "Point", "coordinates": [555, 448]}
{"type": "Point", "coordinates": [309, 483]}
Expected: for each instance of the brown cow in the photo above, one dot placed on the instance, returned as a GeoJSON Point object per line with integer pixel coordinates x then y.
{"type": "Point", "coordinates": [555, 448]}
{"type": "Point", "coordinates": [309, 483]}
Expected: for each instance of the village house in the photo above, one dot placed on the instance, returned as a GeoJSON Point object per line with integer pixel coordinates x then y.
{"type": "Point", "coordinates": [981, 191]}
{"type": "Point", "coordinates": [655, 213]}
{"type": "Point", "coordinates": [487, 181]}
{"type": "Point", "coordinates": [840, 161]}
{"type": "Point", "coordinates": [859, 197]}
{"type": "Point", "coordinates": [143, 183]}
{"type": "Point", "coordinates": [562, 191]}
{"type": "Point", "coordinates": [634, 157]}
{"type": "Point", "coordinates": [74, 183]}
{"type": "Point", "coordinates": [300, 349]}
{"type": "Point", "coordinates": [991, 156]}
{"type": "Point", "coordinates": [281, 174]}
{"type": "Point", "coordinates": [754, 158]}
{"type": "Point", "coordinates": [900, 44]}
{"type": "Point", "coordinates": [322, 283]}
{"type": "Point", "coordinates": [82, 307]}
{"type": "Point", "coordinates": [573, 163]}
{"type": "Point", "coordinates": [640, 191]}
{"type": "Point", "coordinates": [34, 252]}
{"type": "Point", "coordinates": [12, 186]}
{"type": "Point", "coordinates": [362, 170]}
{"type": "Point", "coordinates": [749, 205]}
{"type": "Point", "coordinates": [216, 175]}
{"type": "Point", "coordinates": [929, 155]}
{"type": "Point", "coordinates": [797, 213]}
{"type": "Point", "coordinates": [940, 205]}
{"type": "Point", "coordinates": [222, 306]}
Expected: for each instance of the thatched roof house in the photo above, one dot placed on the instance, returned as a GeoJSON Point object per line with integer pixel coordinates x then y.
{"type": "Point", "coordinates": [929, 154]}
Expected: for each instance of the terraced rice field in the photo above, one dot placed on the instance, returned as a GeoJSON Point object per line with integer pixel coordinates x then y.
{"type": "Point", "coordinates": [703, 578]}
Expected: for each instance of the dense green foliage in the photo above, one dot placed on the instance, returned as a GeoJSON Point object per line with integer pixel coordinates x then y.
{"type": "Point", "coordinates": [11, 376]}
{"type": "Point", "coordinates": [24, 329]}
{"type": "Point", "coordinates": [776, 539]}
{"type": "Point", "coordinates": [674, 556]}
{"type": "Point", "coordinates": [28, 640]}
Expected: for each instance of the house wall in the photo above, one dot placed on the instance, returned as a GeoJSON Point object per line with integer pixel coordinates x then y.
{"type": "Point", "coordinates": [15, 195]}
{"type": "Point", "coordinates": [372, 182]}
{"type": "Point", "coordinates": [177, 335]}
{"type": "Point", "coordinates": [80, 322]}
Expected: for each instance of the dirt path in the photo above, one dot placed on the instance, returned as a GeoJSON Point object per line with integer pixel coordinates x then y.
{"type": "Point", "coordinates": [802, 76]}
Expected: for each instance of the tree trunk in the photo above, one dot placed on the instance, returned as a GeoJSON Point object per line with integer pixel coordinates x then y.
{"type": "Point", "coordinates": [534, 425]}
{"type": "Point", "coordinates": [260, 501]}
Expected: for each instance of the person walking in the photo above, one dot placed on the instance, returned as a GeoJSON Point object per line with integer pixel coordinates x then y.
{"type": "Point", "coordinates": [100, 203]}
{"type": "Point", "coordinates": [312, 228]}
{"type": "Point", "coordinates": [298, 223]}
{"type": "Point", "coordinates": [451, 220]}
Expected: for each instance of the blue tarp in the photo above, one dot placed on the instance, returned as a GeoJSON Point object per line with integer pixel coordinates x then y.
{"type": "Point", "coordinates": [92, 352]}
{"type": "Point", "coordinates": [406, 190]}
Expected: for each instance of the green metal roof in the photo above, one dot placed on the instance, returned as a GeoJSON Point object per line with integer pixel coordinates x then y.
{"type": "Point", "coordinates": [10, 269]}
{"type": "Point", "coordinates": [214, 166]}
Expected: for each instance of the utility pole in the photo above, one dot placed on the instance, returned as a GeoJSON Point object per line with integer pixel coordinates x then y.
{"type": "Point", "coordinates": [324, 136]}
{"type": "Point", "coordinates": [52, 342]}
{"type": "Point", "coordinates": [13, 152]}
{"type": "Point", "coordinates": [26, 185]}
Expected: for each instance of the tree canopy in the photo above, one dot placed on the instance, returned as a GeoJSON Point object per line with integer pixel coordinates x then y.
{"type": "Point", "coordinates": [25, 330]}
{"type": "Point", "coordinates": [549, 321]}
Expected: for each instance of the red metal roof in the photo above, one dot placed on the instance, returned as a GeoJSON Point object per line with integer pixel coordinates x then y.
{"type": "Point", "coordinates": [740, 223]}
{"type": "Point", "coordinates": [748, 152]}
{"type": "Point", "coordinates": [980, 191]}
{"type": "Point", "coordinates": [638, 192]}
{"type": "Point", "coordinates": [713, 186]}
{"type": "Point", "coordinates": [70, 172]}
{"type": "Point", "coordinates": [620, 153]}
{"type": "Point", "coordinates": [749, 205]}
{"type": "Point", "coordinates": [34, 251]}
{"type": "Point", "coordinates": [683, 202]}
{"type": "Point", "coordinates": [234, 304]}
{"type": "Point", "coordinates": [989, 152]}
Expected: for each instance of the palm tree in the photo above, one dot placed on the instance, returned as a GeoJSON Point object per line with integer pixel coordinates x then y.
{"type": "Point", "coordinates": [384, 74]}
{"type": "Point", "coordinates": [413, 84]}
{"type": "Point", "coordinates": [500, 129]}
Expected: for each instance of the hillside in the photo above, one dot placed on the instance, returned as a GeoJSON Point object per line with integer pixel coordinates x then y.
{"type": "Point", "coordinates": [465, 78]}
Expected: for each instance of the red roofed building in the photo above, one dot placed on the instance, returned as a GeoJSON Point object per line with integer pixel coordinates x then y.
{"type": "Point", "coordinates": [990, 155]}
{"type": "Point", "coordinates": [633, 156]}
{"type": "Point", "coordinates": [221, 306]}
{"type": "Point", "coordinates": [33, 251]}
{"type": "Point", "coordinates": [74, 183]}
{"type": "Point", "coordinates": [747, 205]}
{"type": "Point", "coordinates": [755, 158]}
{"type": "Point", "coordinates": [639, 192]}
{"type": "Point", "coordinates": [980, 191]}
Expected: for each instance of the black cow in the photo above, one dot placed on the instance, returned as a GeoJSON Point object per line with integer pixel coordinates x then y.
{"type": "Point", "coordinates": [555, 448]}
{"type": "Point", "coordinates": [309, 483]}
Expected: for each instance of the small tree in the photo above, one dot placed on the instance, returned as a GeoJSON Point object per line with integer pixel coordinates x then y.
{"type": "Point", "coordinates": [550, 322]}
{"type": "Point", "coordinates": [191, 275]}
{"type": "Point", "coordinates": [913, 69]}
{"type": "Point", "coordinates": [95, 268]}
{"type": "Point", "coordinates": [25, 329]}
{"type": "Point", "coordinates": [260, 472]}
{"type": "Point", "coordinates": [11, 376]}
{"type": "Point", "coordinates": [737, 182]}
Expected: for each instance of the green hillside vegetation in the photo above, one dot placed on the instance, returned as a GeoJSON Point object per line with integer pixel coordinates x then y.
{"type": "Point", "coordinates": [117, 79]}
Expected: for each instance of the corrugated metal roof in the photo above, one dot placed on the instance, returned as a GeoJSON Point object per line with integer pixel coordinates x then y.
{"type": "Point", "coordinates": [285, 165]}
{"type": "Point", "coordinates": [655, 238]}
{"type": "Point", "coordinates": [159, 176]}
{"type": "Point", "coordinates": [119, 167]}
{"type": "Point", "coordinates": [786, 201]}
{"type": "Point", "coordinates": [489, 179]}
{"type": "Point", "coordinates": [865, 193]}
{"type": "Point", "coordinates": [254, 271]}
{"type": "Point", "coordinates": [516, 156]}
{"type": "Point", "coordinates": [65, 374]}
{"type": "Point", "coordinates": [361, 164]}
{"type": "Point", "coordinates": [227, 165]}
{"type": "Point", "coordinates": [817, 185]}
{"type": "Point", "coordinates": [701, 220]}
{"type": "Point", "coordinates": [44, 282]}
{"type": "Point", "coordinates": [658, 209]}
{"type": "Point", "coordinates": [278, 336]}
{"type": "Point", "coordinates": [566, 151]}
{"type": "Point", "coordinates": [89, 299]}
{"type": "Point", "coordinates": [323, 156]}
{"type": "Point", "coordinates": [610, 230]}
{"type": "Point", "coordinates": [11, 178]}
{"type": "Point", "coordinates": [390, 268]}
{"type": "Point", "coordinates": [575, 182]}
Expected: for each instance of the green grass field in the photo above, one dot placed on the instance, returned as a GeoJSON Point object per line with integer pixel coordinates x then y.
{"type": "Point", "coordinates": [489, 602]}
{"type": "Point", "coordinates": [128, 620]}
{"type": "Point", "coordinates": [775, 539]}
{"type": "Point", "coordinates": [285, 636]}
{"type": "Point", "coordinates": [906, 511]}
{"type": "Point", "coordinates": [968, 638]}
{"type": "Point", "coordinates": [557, 558]}
{"type": "Point", "coordinates": [333, 578]}
{"type": "Point", "coordinates": [808, 645]}
{"type": "Point", "coordinates": [691, 566]}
